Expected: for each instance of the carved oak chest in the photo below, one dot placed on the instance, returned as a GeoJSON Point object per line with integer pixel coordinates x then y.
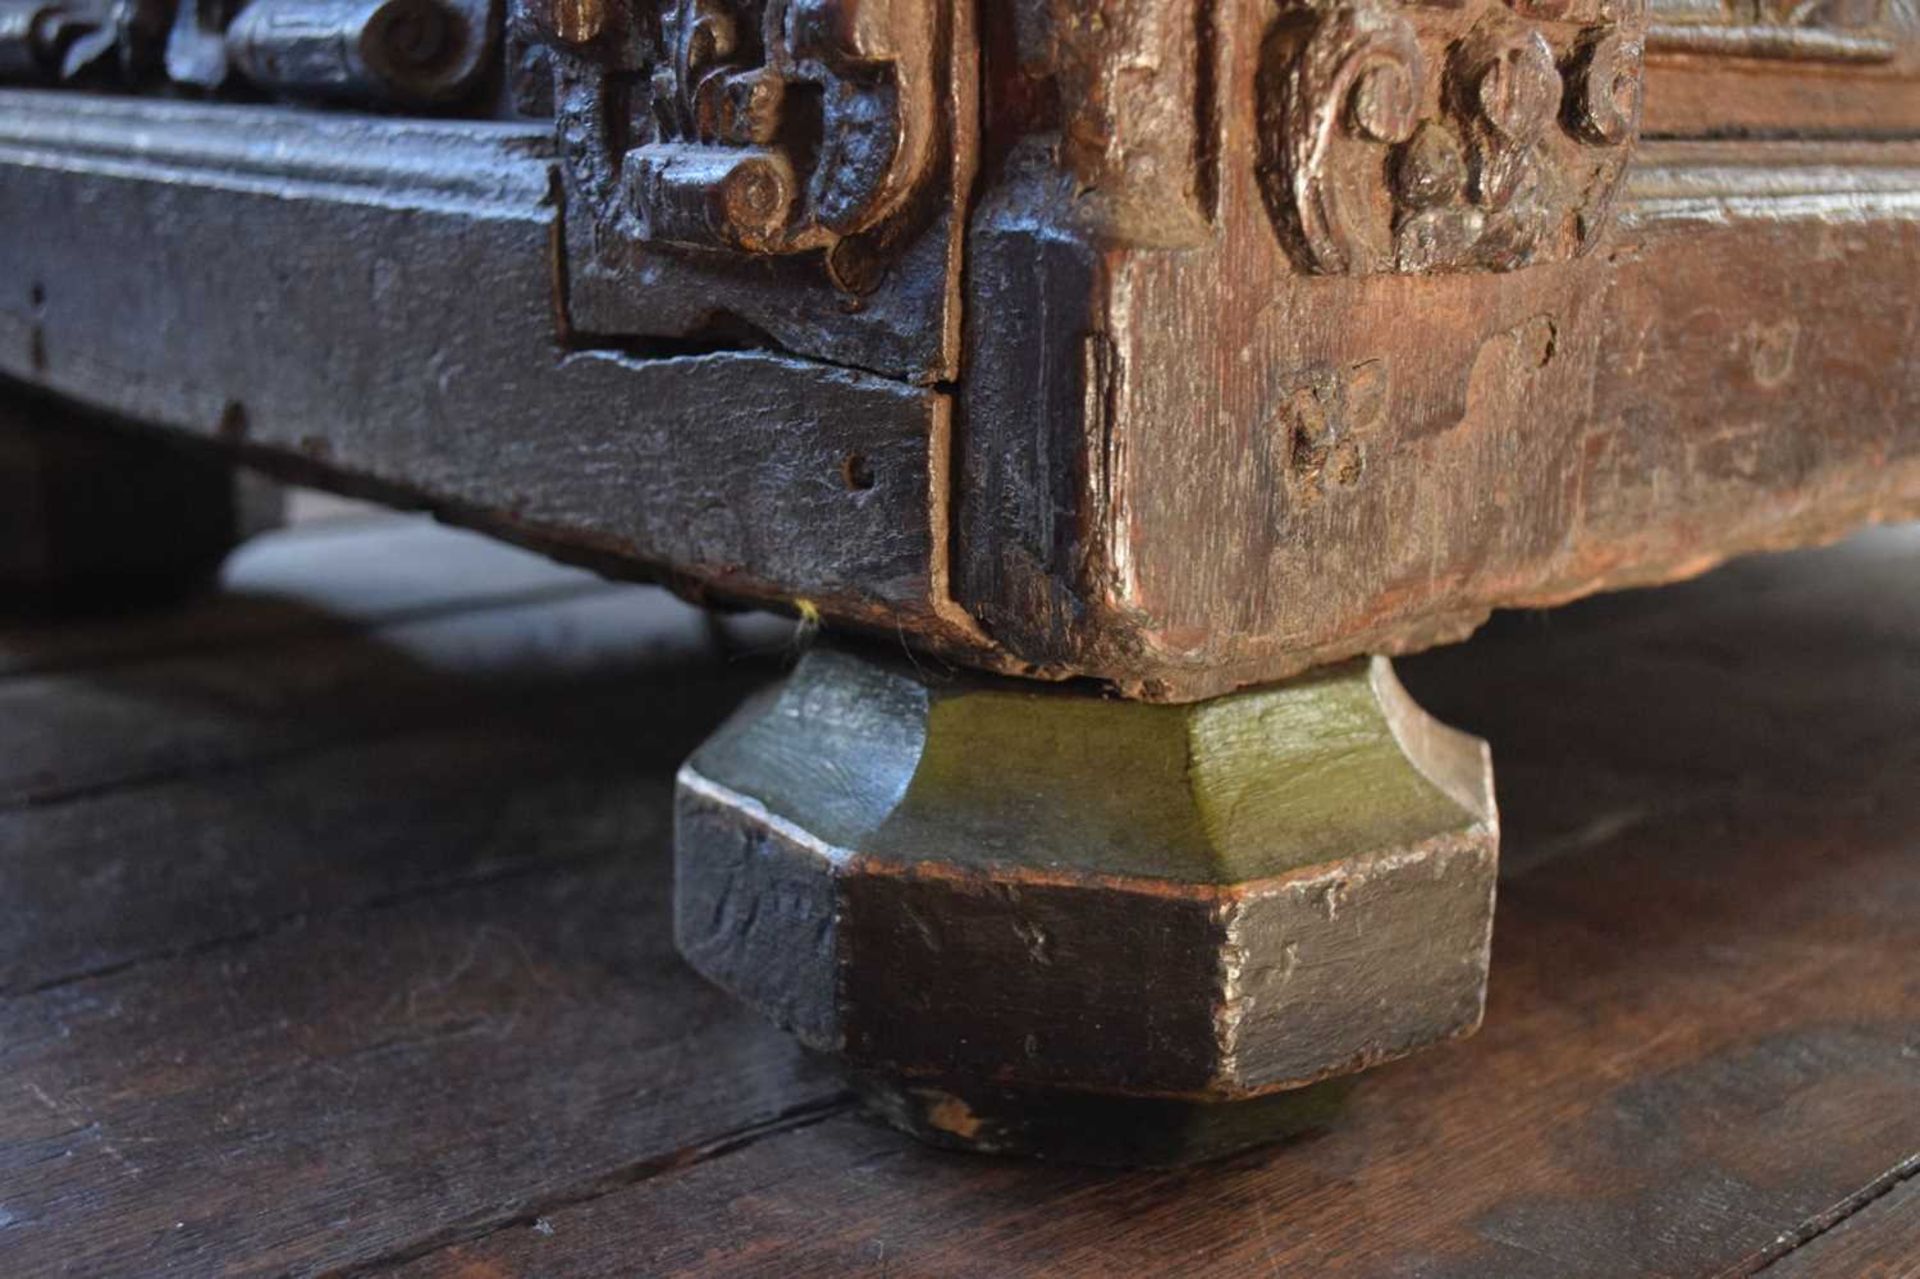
{"type": "Point", "coordinates": [1161, 359]}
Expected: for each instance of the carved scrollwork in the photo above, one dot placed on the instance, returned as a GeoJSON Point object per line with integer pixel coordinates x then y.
{"type": "Point", "coordinates": [1605, 83]}
{"type": "Point", "coordinates": [1357, 78]}
{"type": "Point", "coordinates": [762, 126]}
{"type": "Point", "coordinates": [1446, 137]}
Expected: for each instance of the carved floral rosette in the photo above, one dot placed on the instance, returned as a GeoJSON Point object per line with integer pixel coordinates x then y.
{"type": "Point", "coordinates": [1478, 136]}
{"type": "Point", "coordinates": [760, 126]}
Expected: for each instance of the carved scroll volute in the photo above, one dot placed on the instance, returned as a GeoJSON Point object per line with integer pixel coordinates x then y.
{"type": "Point", "coordinates": [871, 159]}
{"type": "Point", "coordinates": [1351, 81]}
{"type": "Point", "coordinates": [757, 126]}
{"type": "Point", "coordinates": [1606, 84]}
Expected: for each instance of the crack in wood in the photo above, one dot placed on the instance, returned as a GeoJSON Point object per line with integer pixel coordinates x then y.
{"type": "Point", "coordinates": [1814, 1227]}
{"type": "Point", "coordinates": [286, 921]}
{"type": "Point", "coordinates": [791, 1119]}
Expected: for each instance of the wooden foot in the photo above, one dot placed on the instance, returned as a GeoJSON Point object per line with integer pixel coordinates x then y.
{"type": "Point", "coordinates": [93, 517]}
{"type": "Point", "coordinates": [1032, 918]}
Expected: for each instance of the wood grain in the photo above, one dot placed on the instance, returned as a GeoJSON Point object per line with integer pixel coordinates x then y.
{"type": "Point", "coordinates": [355, 1086]}
{"type": "Point", "coordinates": [433, 245]}
{"type": "Point", "coordinates": [1242, 472]}
{"type": "Point", "coordinates": [1878, 1241]}
{"type": "Point", "coordinates": [1166, 452]}
{"type": "Point", "coordinates": [1628, 1110]}
{"type": "Point", "coordinates": [90, 728]}
{"type": "Point", "coordinates": [1698, 1047]}
{"type": "Point", "coordinates": [404, 1001]}
{"type": "Point", "coordinates": [277, 1016]}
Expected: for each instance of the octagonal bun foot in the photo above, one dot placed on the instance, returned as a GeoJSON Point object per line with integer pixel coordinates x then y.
{"type": "Point", "coordinates": [1034, 919]}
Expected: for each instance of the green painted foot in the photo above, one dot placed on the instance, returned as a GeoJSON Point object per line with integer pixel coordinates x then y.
{"type": "Point", "coordinates": [1024, 898]}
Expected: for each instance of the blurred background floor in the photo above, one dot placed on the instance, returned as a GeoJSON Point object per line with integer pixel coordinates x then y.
{"type": "Point", "coordinates": [335, 939]}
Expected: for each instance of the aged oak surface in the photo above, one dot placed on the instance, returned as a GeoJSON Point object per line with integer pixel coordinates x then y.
{"type": "Point", "coordinates": [1244, 338]}
{"type": "Point", "coordinates": [298, 978]}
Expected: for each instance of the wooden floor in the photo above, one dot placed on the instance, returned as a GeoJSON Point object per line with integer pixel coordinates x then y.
{"type": "Point", "coordinates": [336, 939]}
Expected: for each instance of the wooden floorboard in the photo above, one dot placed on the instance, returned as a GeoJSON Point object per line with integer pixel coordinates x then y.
{"type": "Point", "coordinates": [175, 866]}
{"type": "Point", "coordinates": [353, 943]}
{"type": "Point", "coordinates": [332, 577]}
{"type": "Point", "coordinates": [1702, 1031]}
{"type": "Point", "coordinates": [1668, 1081]}
{"type": "Point", "coordinates": [1879, 1239]}
{"type": "Point", "coordinates": [372, 1081]}
{"type": "Point", "coordinates": [343, 945]}
{"type": "Point", "coordinates": [145, 718]}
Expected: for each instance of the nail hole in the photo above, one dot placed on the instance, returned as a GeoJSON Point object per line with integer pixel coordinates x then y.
{"type": "Point", "coordinates": [37, 295]}
{"type": "Point", "coordinates": [856, 473]}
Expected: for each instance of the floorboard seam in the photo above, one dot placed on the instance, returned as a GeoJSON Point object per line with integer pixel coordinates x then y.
{"type": "Point", "coordinates": [513, 704]}
{"type": "Point", "coordinates": [294, 919]}
{"type": "Point", "coordinates": [792, 1119]}
{"type": "Point", "coordinates": [1792, 1241]}
{"type": "Point", "coordinates": [318, 629]}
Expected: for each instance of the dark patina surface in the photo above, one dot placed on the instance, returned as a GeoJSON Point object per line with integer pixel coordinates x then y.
{"type": "Point", "coordinates": [1163, 349]}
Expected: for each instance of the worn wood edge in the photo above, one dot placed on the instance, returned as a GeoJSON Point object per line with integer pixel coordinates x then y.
{"type": "Point", "coordinates": [963, 121]}
{"type": "Point", "coordinates": [959, 632]}
{"type": "Point", "coordinates": [939, 623]}
{"type": "Point", "coordinates": [1673, 187]}
{"type": "Point", "coordinates": [1458, 763]}
{"type": "Point", "coordinates": [1776, 166]}
{"type": "Point", "coordinates": [474, 167]}
{"type": "Point", "coordinates": [1770, 42]}
{"type": "Point", "coordinates": [1421, 633]}
{"type": "Point", "coordinates": [1706, 182]}
{"type": "Point", "coordinates": [841, 860]}
{"type": "Point", "coordinates": [691, 780]}
{"type": "Point", "coordinates": [1318, 876]}
{"type": "Point", "coordinates": [1663, 185]}
{"type": "Point", "coordinates": [466, 170]}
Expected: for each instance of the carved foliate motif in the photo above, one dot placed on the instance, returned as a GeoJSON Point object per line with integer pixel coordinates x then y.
{"type": "Point", "coordinates": [1466, 136]}
{"type": "Point", "coordinates": [764, 126]}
